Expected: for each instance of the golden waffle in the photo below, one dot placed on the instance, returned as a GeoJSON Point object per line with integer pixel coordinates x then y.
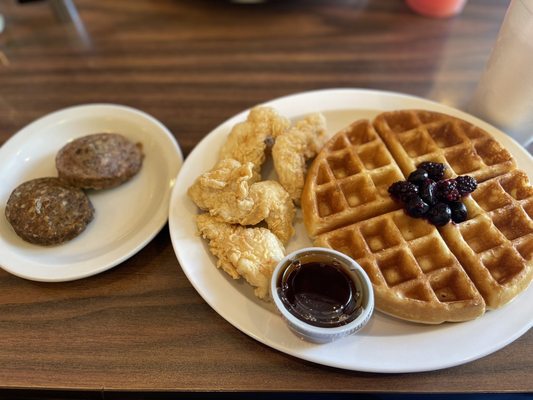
{"type": "Point", "coordinates": [348, 180]}
{"type": "Point", "coordinates": [495, 243]}
{"type": "Point", "coordinates": [413, 136]}
{"type": "Point", "coordinates": [414, 274]}
{"type": "Point", "coordinates": [421, 273]}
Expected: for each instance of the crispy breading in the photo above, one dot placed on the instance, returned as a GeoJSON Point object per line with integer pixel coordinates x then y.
{"type": "Point", "coordinates": [247, 141]}
{"type": "Point", "coordinates": [225, 190]}
{"type": "Point", "coordinates": [248, 252]}
{"type": "Point", "coordinates": [293, 148]}
{"type": "Point", "coordinates": [230, 192]}
{"type": "Point", "coordinates": [274, 203]}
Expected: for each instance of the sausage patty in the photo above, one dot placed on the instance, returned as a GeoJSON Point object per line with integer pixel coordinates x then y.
{"type": "Point", "coordinates": [47, 211]}
{"type": "Point", "coordinates": [99, 161]}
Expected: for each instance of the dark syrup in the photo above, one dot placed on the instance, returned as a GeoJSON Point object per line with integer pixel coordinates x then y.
{"type": "Point", "coordinates": [319, 293]}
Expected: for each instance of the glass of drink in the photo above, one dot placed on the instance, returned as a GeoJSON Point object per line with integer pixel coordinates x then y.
{"type": "Point", "coordinates": [504, 96]}
{"type": "Point", "coordinates": [437, 8]}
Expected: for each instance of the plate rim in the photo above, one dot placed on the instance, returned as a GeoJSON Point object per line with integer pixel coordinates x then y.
{"type": "Point", "coordinates": [132, 245]}
{"type": "Point", "coordinates": [349, 91]}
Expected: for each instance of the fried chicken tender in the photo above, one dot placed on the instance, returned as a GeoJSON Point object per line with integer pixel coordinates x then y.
{"type": "Point", "coordinates": [225, 190]}
{"type": "Point", "coordinates": [293, 148]}
{"type": "Point", "coordinates": [273, 202]}
{"type": "Point", "coordinates": [247, 141]}
{"type": "Point", "coordinates": [248, 252]}
{"type": "Point", "coordinates": [230, 192]}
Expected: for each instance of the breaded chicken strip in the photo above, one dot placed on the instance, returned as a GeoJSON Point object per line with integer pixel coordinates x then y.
{"type": "Point", "coordinates": [293, 148]}
{"type": "Point", "coordinates": [225, 190]}
{"type": "Point", "coordinates": [230, 192]}
{"type": "Point", "coordinates": [274, 206]}
{"type": "Point", "coordinates": [247, 141]}
{"type": "Point", "coordinates": [248, 252]}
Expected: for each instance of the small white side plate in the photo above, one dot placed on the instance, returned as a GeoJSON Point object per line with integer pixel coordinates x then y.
{"type": "Point", "coordinates": [126, 217]}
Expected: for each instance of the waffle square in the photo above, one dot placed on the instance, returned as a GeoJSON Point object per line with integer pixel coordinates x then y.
{"type": "Point", "coordinates": [422, 273]}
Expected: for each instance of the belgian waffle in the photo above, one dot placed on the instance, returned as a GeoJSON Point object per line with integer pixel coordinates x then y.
{"type": "Point", "coordinates": [348, 180]}
{"type": "Point", "coordinates": [414, 274]}
{"type": "Point", "coordinates": [413, 136]}
{"type": "Point", "coordinates": [420, 272]}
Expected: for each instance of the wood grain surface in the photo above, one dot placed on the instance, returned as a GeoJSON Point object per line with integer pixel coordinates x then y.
{"type": "Point", "coordinates": [193, 64]}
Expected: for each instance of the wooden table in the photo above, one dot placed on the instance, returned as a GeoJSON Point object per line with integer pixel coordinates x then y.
{"type": "Point", "coordinates": [192, 64]}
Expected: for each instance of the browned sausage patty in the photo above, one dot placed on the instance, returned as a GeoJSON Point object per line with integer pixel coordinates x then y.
{"type": "Point", "coordinates": [48, 211]}
{"type": "Point", "coordinates": [99, 161]}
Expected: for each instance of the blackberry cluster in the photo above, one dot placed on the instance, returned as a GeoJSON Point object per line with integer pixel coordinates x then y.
{"type": "Point", "coordinates": [435, 170]}
{"type": "Point", "coordinates": [425, 194]}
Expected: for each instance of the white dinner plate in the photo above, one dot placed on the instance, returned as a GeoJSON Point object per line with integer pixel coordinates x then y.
{"type": "Point", "coordinates": [386, 344]}
{"type": "Point", "coordinates": [126, 218]}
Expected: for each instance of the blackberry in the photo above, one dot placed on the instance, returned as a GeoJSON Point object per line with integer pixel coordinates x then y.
{"type": "Point", "coordinates": [465, 184]}
{"type": "Point", "coordinates": [440, 214]}
{"type": "Point", "coordinates": [418, 176]}
{"type": "Point", "coordinates": [434, 170]}
{"type": "Point", "coordinates": [402, 190]}
{"type": "Point", "coordinates": [416, 207]}
{"type": "Point", "coordinates": [447, 190]}
{"type": "Point", "coordinates": [426, 191]}
{"type": "Point", "coordinates": [459, 212]}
